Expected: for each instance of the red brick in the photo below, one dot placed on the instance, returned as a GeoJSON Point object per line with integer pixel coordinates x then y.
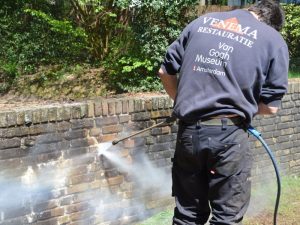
{"type": "Point", "coordinates": [128, 194]}
{"type": "Point", "coordinates": [98, 109]}
{"type": "Point", "coordinates": [92, 141]}
{"type": "Point", "coordinates": [63, 220]}
{"type": "Point", "coordinates": [52, 114]}
{"type": "Point", "coordinates": [111, 108]}
{"type": "Point", "coordinates": [49, 138]}
{"type": "Point", "coordinates": [14, 132]}
{"type": "Point", "coordinates": [70, 153]}
{"type": "Point", "coordinates": [82, 123]}
{"type": "Point", "coordinates": [95, 184]}
{"type": "Point", "coordinates": [160, 114]}
{"type": "Point", "coordinates": [115, 180]}
{"type": "Point", "coordinates": [51, 213]}
{"type": "Point", "coordinates": [10, 143]}
{"type": "Point", "coordinates": [36, 116]}
{"type": "Point", "coordinates": [11, 153]}
{"type": "Point", "coordinates": [118, 106]}
{"type": "Point", "coordinates": [78, 170]}
{"type": "Point", "coordinates": [75, 134]}
{"type": "Point", "coordinates": [77, 207]}
{"type": "Point", "coordinates": [112, 172]}
{"type": "Point", "coordinates": [104, 183]}
{"type": "Point", "coordinates": [129, 159]}
{"type": "Point", "coordinates": [11, 118]}
{"type": "Point", "coordinates": [51, 204]}
{"type": "Point", "coordinates": [165, 130]}
{"type": "Point", "coordinates": [95, 132]}
{"type": "Point", "coordinates": [42, 128]}
{"type": "Point", "coordinates": [83, 197]}
{"type": "Point", "coordinates": [63, 113]}
{"type": "Point", "coordinates": [104, 108]}
{"type": "Point", "coordinates": [84, 160]}
{"type": "Point", "coordinates": [52, 221]}
{"type": "Point", "coordinates": [91, 109]}
{"type": "Point", "coordinates": [76, 112]}
{"type": "Point", "coordinates": [123, 152]}
{"type": "Point", "coordinates": [20, 118]}
{"type": "Point", "coordinates": [129, 143]}
{"type": "Point", "coordinates": [44, 114]}
{"type": "Point", "coordinates": [138, 105]}
{"type": "Point", "coordinates": [112, 129]}
{"type": "Point", "coordinates": [130, 105]}
{"type": "Point", "coordinates": [100, 122]}
{"type": "Point", "coordinates": [148, 105]}
{"type": "Point", "coordinates": [161, 102]}
{"type": "Point", "coordinates": [76, 143]}
{"type": "Point", "coordinates": [42, 158]}
{"type": "Point", "coordinates": [28, 117]}
{"type": "Point", "coordinates": [3, 120]}
{"type": "Point", "coordinates": [10, 164]}
{"type": "Point", "coordinates": [125, 106]}
{"type": "Point", "coordinates": [124, 118]}
{"type": "Point", "coordinates": [63, 126]}
{"type": "Point", "coordinates": [80, 179]}
{"type": "Point", "coordinates": [81, 215]}
{"type": "Point", "coordinates": [52, 147]}
{"type": "Point", "coordinates": [107, 137]}
{"type": "Point", "coordinates": [78, 188]}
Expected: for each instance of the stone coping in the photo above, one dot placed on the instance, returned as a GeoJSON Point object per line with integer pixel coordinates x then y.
{"type": "Point", "coordinates": [79, 110]}
{"type": "Point", "coordinates": [11, 105]}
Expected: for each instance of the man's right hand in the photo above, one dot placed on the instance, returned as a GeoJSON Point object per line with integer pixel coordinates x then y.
{"type": "Point", "coordinates": [264, 109]}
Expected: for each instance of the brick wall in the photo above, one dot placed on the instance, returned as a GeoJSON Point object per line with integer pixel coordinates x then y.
{"type": "Point", "coordinates": [51, 171]}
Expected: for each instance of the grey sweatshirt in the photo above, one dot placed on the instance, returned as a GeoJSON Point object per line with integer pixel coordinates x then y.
{"type": "Point", "coordinates": [227, 63]}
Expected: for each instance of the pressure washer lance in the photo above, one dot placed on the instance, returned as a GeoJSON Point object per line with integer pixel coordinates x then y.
{"type": "Point", "coordinates": [170, 119]}
{"type": "Point", "coordinates": [257, 134]}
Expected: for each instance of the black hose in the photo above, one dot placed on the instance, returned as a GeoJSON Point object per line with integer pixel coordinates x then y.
{"type": "Point", "coordinates": [257, 134]}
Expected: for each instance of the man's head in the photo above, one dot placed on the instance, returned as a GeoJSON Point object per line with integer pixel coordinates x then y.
{"type": "Point", "coordinates": [269, 12]}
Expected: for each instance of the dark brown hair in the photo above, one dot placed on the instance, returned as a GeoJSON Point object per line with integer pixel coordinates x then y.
{"type": "Point", "coordinates": [269, 12]}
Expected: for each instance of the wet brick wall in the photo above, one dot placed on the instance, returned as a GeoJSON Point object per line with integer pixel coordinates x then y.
{"type": "Point", "coordinates": [51, 171]}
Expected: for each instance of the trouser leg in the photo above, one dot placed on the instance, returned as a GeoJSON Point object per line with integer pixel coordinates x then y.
{"type": "Point", "coordinates": [229, 184]}
{"type": "Point", "coordinates": [211, 165]}
{"type": "Point", "coordinates": [190, 182]}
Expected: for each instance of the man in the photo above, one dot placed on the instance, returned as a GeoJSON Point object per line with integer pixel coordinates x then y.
{"type": "Point", "coordinates": [232, 66]}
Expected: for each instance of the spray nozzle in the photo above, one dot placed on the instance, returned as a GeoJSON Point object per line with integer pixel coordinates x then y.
{"type": "Point", "coordinates": [115, 142]}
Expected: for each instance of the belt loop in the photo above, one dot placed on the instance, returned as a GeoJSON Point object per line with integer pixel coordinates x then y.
{"type": "Point", "coordinates": [198, 125]}
{"type": "Point", "coordinates": [224, 123]}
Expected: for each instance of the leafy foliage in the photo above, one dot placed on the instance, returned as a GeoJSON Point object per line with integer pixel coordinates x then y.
{"type": "Point", "coordinates": [33, 38]}
{"type": "Point", "coordinates": [154, 25]}
{"type": "Point", "coordinates": [132, 76]}
{"type": "Point", "coordinates": [104, 22]}
{"type": "Point", "coordinates": [127, 37]}
{"type": "Point", "coordinates": [158, 23]}
{"type": "Point", "coordinates": [291, 30]}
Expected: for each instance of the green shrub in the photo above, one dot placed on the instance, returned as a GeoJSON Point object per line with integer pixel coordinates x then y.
{"type": "Point", "coordinates": [291, 30]}
{"type": "Point", "coordinates": [155, 24]}
{"type": "Point", "coordinates": [32, 37]}
{"type": "Point", "coordinates": [129, 74]}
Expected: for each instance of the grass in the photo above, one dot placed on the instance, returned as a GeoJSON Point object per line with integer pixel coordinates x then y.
{"type": "Point", "coordinates": [294, 74]}
{"type": "Point", "coordinates": [262, 204]}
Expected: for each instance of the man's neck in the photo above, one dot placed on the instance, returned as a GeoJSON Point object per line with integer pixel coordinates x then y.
{"type": "Point", "coordinates": [255, 15]}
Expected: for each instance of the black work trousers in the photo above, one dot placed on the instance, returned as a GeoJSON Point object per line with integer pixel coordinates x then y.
{"type": "Point", "coordinates": [211, 174]}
